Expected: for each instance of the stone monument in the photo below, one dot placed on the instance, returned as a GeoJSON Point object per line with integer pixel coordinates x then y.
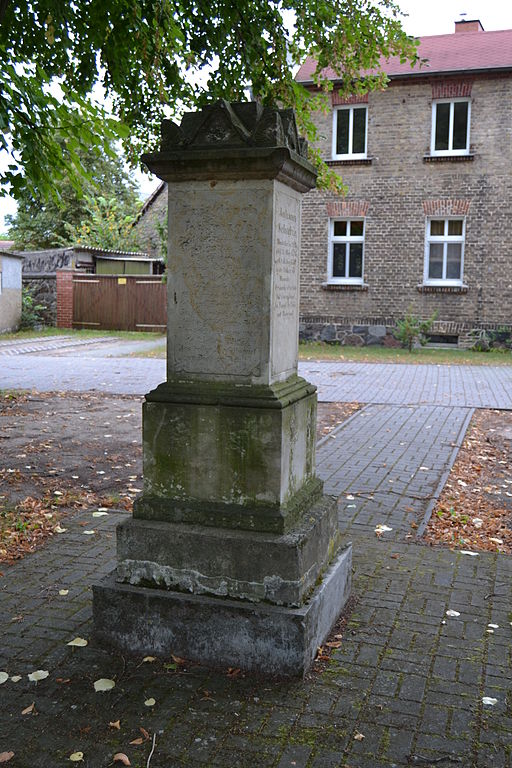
{"type": "Point", "coordinates": [233, 555]}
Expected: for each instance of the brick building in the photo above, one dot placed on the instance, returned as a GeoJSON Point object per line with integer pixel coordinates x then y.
{"type": "Point", "coordinates": [426, 222]}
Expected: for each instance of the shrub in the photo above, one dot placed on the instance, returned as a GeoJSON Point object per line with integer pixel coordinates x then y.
{"type": "Point", "coordinates": [30, 311]}
{"type": "Point", "coordinates": [411, 330]}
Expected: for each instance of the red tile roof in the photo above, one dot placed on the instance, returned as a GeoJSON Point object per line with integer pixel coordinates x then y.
{"type": "Point", "coordinates": [458, 52]}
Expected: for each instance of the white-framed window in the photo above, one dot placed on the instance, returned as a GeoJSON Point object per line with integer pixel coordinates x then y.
{"type": "Point", "coordinates": [450, 127]}
{"type": "Point", "coordinates": [444, 251]}
{"type": "Point", "coordinates": [346, 251]}
{"type": "Point", "coordinates": [349, 130]}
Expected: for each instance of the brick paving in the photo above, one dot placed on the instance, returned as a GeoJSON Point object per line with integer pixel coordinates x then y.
{"type": "Point", "coordinates": [48, 343]}
{"type": "Point", "coordinates": [476, 386]}
{"type": "Point", "coordinates": [386, 464]}
{"type": "Point", "coordinates": [91, 369]}
{"type": "Point", "coordinates": [406, 685]}
{"type": "Point", "coordinates": [406, 676]}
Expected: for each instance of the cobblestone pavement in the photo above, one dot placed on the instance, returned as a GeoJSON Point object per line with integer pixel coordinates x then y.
{"type": "Point", "coordinates": [388, 463]}
{"type": "Point", "coordinates": [406, 677]}
{"type": "Point", "coordinates": [407, 684]}
{"type": "Point", "coordinates": [478, 386]}
{"type": "Point", "coordinates": [44, 373]}
{"type": "Point", "coordinates": [450, 385]}
{"type": "Point", "coordinates": [54, 344]}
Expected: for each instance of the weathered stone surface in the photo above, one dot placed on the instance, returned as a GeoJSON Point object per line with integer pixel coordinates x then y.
{"type": "Point", "coordinates": [256, 459]}
{"type": "Point", "coordinates": [231, 506]}
{"type": "Point", "coordinates": [234, 141]}
{"type": "Point", "coordinates": [233, 281]}
{"type": "Point", "coordinates": [248, 565]}
{"type": "Point", "coordinates": [222, 632]}
{"type": "Point", "coordinates": [377, 330]}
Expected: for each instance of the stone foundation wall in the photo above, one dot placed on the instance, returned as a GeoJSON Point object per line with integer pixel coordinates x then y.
{"type": "Point", "coordinates": [44, 290]}
{"type": "Point", "coordinates": [380, 332]}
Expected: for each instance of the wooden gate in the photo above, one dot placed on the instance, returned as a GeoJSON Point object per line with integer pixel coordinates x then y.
{"type": "Point", "coordinates": [119, 303]}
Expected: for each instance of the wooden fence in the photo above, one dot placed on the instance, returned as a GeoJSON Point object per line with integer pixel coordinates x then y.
{"type": "Point", "coordinates": [112, 302]}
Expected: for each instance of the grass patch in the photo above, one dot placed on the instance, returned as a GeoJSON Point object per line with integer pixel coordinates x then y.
{"type": "Point", "coordinates": [78, 334]}
{"type": "Point", "coordinates": [159, 351]}
{"type": "Point", "coordinates": [315, 350]}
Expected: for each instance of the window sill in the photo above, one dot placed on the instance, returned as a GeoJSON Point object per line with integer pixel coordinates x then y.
{"type": "Point", "coordinates": [448, 158]}
{"type": "Point", "coordinates": [344, 287]}
{"type": "Point", "coordinates": [442, 288]}
{"type": "Point", "coordinates": [350, 161]}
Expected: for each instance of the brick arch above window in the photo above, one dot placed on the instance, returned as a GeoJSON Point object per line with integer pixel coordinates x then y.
{"type": "Point", "coordinates": [452, 89]}
{"type": "Point", "coordinates": [450, 207]}
{"type": "Point", "coordinates": [339, 99]}
{"type": "Point", "coordinates": [348, 209]}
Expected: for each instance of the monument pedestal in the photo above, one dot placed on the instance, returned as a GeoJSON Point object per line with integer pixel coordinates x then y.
{"type": "Point", "coordinates": [233, 556]}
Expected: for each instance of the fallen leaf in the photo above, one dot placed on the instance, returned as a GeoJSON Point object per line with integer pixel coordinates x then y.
{"type": "Point", "coordinates": [334, 645]}
{"type": "Point", "coordinates": [63, 680]}
{"type": "Point", "coordinates": [103, 684]}
{"type": "Point", "coordinates": [76, 757]}
{"type": "Point", "coordinates": [138, 741]}
{"type": "Point", "coordinates": [395, 556]}
{"type": "Point", "coordinates": [359, 736]}
{"type": "Point", "coordinates": [89, 533]}
{"type": "Point", "coordinates": [78, 642]}
{"type": "Point", "coordinates": [28, 710]}
{"type": "Point", "coordinates": [494, 626]}
{"type": "Point", "coordinates": [380, 529]}
{"type": "Point", "coordinates": [489, 700]}
{"type": "Point", "coordinates": [116, 724]}
{"type": "Point", "coordinates": [467, 552]}
{"type": "Point", "coordinates": [233, 671]}
{"type": "Point", "coordinates": [63, 592]}
{"type": "Point", "coordinates": [450, 612]}
{"type": "Point", "coordinates": [59, 529]}
{"type": "Point", "coordinates": [39, 674]}
{"type": "Point", "coordinates": [3, 677]}
{"type": "Point", "coordinates": [99, 513]}
{"type": "Point", "coordinates": [149, 659]}
{"type": "Point", "coordinates": [120, 757]}
{"type": "Point", "coordinates": [6, 756]}
{"type": "Point", "coordinates": [150, 702]}
{"type": "Point", "coordinates": [16, 678]}
{"type": "Point", "coordinates": [144, 732]}
{"type": "Point", "coordinates": [178, 660]}
{"type": "Point", "coordinates": [495, 541]}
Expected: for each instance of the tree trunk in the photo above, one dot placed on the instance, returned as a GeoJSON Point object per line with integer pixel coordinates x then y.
{"type": "Point", "coordinates": [3, 8]}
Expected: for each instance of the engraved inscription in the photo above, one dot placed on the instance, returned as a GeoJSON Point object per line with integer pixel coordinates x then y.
{"type": "Point", "coordinates": [285, 298]}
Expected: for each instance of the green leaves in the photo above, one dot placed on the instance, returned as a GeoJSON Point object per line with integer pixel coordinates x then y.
{"type": "Point", "coordinates": [154, 58]}
{"type": "Point", "coordinates": [106, 224]}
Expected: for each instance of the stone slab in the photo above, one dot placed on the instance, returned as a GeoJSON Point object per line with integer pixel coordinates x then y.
{"type": "Point", "coordinates": [233, 281]}
{"type": "Point", "coordinates": [216, 632]}
{"type": "Point", "coordinates": [277, 568]}
{"type": "Point", "coordinates": [256, 459]}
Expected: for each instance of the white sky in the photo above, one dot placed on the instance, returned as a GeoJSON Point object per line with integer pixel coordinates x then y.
{"type": "Point", "coordinates": [425, 17]}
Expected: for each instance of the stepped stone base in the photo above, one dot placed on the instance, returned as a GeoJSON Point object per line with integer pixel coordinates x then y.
{"type": "Point", "coordinates": [222, 632]}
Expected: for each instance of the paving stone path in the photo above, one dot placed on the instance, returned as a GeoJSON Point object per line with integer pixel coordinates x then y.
{"type": "Point", "coordinates": [407, 684]}
{"type": "Point", "coordinates": [388, 463]}
{"type": "Point", "coordinates": [48, 343]}
{"type": "Point", "coordinates": [477, 386]}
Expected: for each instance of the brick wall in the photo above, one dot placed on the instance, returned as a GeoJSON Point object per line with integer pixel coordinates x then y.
{"type": "Point", "coordinates": [64, 298]}
{"type": "Point", "coordinates": [399, 190]}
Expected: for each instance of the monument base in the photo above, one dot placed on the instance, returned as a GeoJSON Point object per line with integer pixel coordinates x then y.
{"type": "Point", "coordinates": [219, 632]}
